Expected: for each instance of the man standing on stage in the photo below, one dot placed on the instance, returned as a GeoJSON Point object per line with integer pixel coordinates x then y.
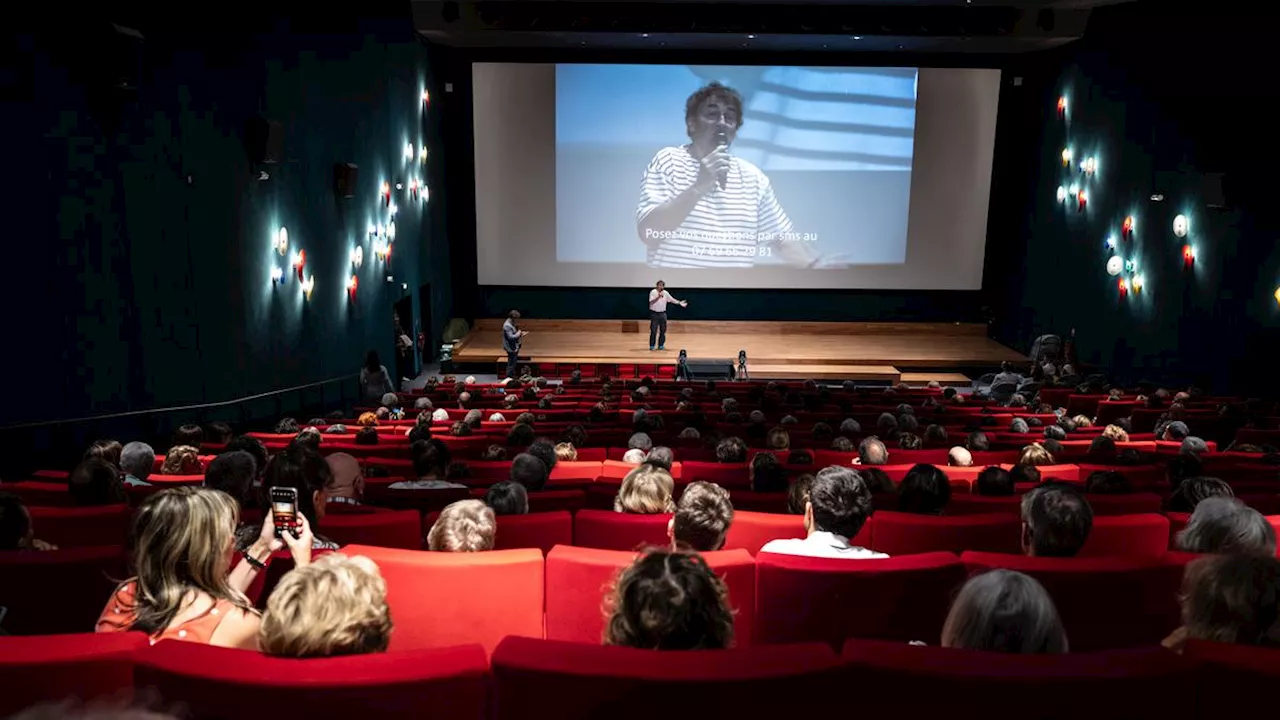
{"type": "Point", "coordinates": [511, 340]}
{"type": "Point", "coordinates": [658, 299]}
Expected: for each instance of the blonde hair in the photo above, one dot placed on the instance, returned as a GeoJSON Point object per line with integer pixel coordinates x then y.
{"type": "Point", "coordinates": [566, 451]}
{"type": "Point", "coordinates": [181, 537]}
{"type": "Point", "coordinates": [1082, 421]}
{"type": "Point", "coordinates": [337, 605]}
{"type": "Point", "coordinates": [1115, 432]}
{"type": "Point", "coordinates": [1035, 455]}
{"type": "Point", "coordinates": [181, 460]}
{"type": "Point", "coordinates": [464, 526]}
{"type": "Point", "coordinates": [367, 419]}
{"type": "Point", "coordinates": [646, 490]}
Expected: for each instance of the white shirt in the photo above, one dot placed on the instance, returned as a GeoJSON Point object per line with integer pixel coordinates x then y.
{"type": "Point", "coordinates": [658, 303]}
{"type": "Point", "coordinates": [424, 485]}
{"type": "Point", "coordinates": [728, 227]}
{"type": "Point", "coordinates": [823, 545]}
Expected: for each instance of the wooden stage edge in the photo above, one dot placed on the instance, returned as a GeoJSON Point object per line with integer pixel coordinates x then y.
{"type": "Point", "coordinates": [825, 350]}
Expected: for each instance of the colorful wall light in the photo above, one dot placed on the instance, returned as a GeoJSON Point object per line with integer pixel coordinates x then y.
{"type": "Point", "coordinates": [1128, 227]}
{"type": "Point", "coordinates": [277, 274]}
{"type": "Point", "coordinates": [1111, 242]}
{"type": "Point", "coordinates": [1066, 157]}
{"type": "Point", "coordinates": [1138, 283]}
{"type": "Point", "coordinates": [1188, 255]}
{"type": "Point", "coordinates": [408, 151]}
{"type": "Point", "coordinates": [1114, 265]}
{"type": "Point", "coordinates": [386, 194]}
{"type": "Point", "coordinates": [308, 285]}
{"type": "Point", "coordinates": [299, 261]}
{"type": "Point", "coordinates": [353, 282]}
{"type": "Point", "coordinates": [1277, 296]}
{"type": "Point", "coordinates": [357, 256]}
{"type": "Point", "coordinates": [1062, 106]}
{"type": "Point", "coordinates": [1062, 194]}
{"type": "Point", "coordinates": [1181, 226]}
{"type": "Point", "coordinates": [282, 240]}
{"type": "Point", "coordinates": [1082, 199]}
{"type": "Point", "coordinates": [1123, 286]}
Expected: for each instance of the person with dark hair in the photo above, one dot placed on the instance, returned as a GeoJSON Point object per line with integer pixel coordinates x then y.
{"type": "Point", "coordinates": [1055, 432]}
{"type": "Point", "coordinates": [767, 474]}
{"type": "Point", "coordinates": [800, 456]}
{"type": "Point", "coordinates": [1004, 611]}
{"type": "Point", "coordinates": [778, 439]}
{"type": "Point", "coordinates": [512, 338]}
{"type": "Point", "coordinates": [305, 471]}
{"type": "Point", "coordinates": [731, 450]}
{"type": "Point", "coordinates": [576, 435]}
{"type": "Point", "coordinates": [1024, 474]}
{"type": "Point", "coordinates": [521, 435]}
{"type": "Point", "coordinates": [420, 432]}
{"type": "Point", "coordinates": [1194, 489]}
{"type": "Point", "coordinates": [310, 437]}
{"type": "Point", "coordinates": [935, 436]}
{"type": "Point", "coordinates": [839, 505]}
{"type": "Point", "coordinates": [1107, 482]}
{"type": "Point", "coordinates": [188, 434]}
{"type": "Point", "coordinates": [1232, 598]}
{"type": "Point", "coordinates": [993, 481]}
{"type": "Point", "coordinates": [507, 498]}
{"type": "Point", "coordinates": [660, 457]}
{"type": "Point", "coordinates": [977, 442]}
{"type": "Point", "coordinates": [1056, 520]}
{"type": "Point", "coordinates": [1180, 467]}
{"type": "Point", "coordinates": [375, 381]}
{"type": "Point", "coordinates": [529, 471]}
{"type": "Point", "coordinates": [367, 436]}
{"type": "Point", "coordinates": [702, 518]}
{"type": "Point", "coordinates": [871, 451]}
{"type": "Point", "coordinates": [106, 450]}
{"type": "Point", "coordinates": [924, 491]}
{"type": "Point", "coordinates": [428, 467]}
{"type": "Point", "coordinates": [658, 300]}
{"type": "Point", "coordinates": [1225, 525]}
{"type": "Point", "coordinates": [220, 433]}
{"type": "Point", "coordinates": [494, 453]}
{"type": "Point", "coordinates": [95, 482]}
{"type": "Point", "coordinates": [1102, 447]}
{"type": "Point", "coordinates": [544, 450]}
{"type": "Point", "coordinates": [877, 480]}
{"type": "Point", "coordinates": [669, 601]}
{"type": "Point", "coordinates": [798, 494]}
{"type": "Point", "coordinates": [16, 529]}
{"type": "Point", "coordinates": [842, 444]}
{"type": "Point", "coordinates": [698, 196]}
{"type": "Point", "coordinates": [233, 473]}
{"type": "Point", "coordinates": [909, 441]}
{"type": "Point", "coordinates": [254, 447]}
{"type": "Point", "coordinates": [289, 426]}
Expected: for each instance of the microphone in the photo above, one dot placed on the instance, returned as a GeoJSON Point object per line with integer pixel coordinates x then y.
{"type": "Point", "coordinates": [722, 140]}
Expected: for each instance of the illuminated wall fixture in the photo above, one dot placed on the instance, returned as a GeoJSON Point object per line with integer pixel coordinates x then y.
{"type": "Point", "coordinates": [1066, 157]}
{"type": "Point", "coordinates": [422, 153]}
{"type": "Point", "coordinates": [282, 241]}
{"type": "Point", "coordinates": [382, 230]}
{"type": "Point", "coordinates": [1128, 227]}
{"type": "Point", "coordinates": [393, 209]}
{"type": "Point", "coordinates": [1062, 106]}
{"type": "Point", "coordinates": [357, 256]}
{"type": "Point", "coordinates": [424, 192]}
{"type": "Point", "coordinates": [308, 285]}
{"type": "Point", "coordinates": [386, 193]}
{"type": "Point", "coordinates": [1181, 225]}
{"type": "Point", "coordinates": [1124, 287]}
{"type": "Point", "coordinates": [426, 97]}
{"type": "Point", "coordinates": [399, 185]}
{"type": "Point", "coordinates": [408, 151]}
{"type": "Point", "coordinates": [1130, 266]}
{"type": "Point", "coordinates": [1114, 265]}
{"type": "Point", "coordinates": [391, 231]}
{"type": "Point", "coordinates": [277, 274]}
{"type": "Point", "coordinates": [413, 188]}
{"type": "Point", "coordinates": [1277, 296]}
{"type": "Point", "coordinates": [299, 261]}
{"type": "Point", "coordinates": [1188, 255]}
{"type": "Point", "coordinates": [373, 230]}
{"type": "Point", "coordinates": [1088, 165]}
{"type": "Point", "coordinates": [1111, 243]}
{"type": "Point", "coordinates": [353, 282]}
{"type": "Point", "coordinates": [1138, 282]}
{"type": "Point", "coordinates": [380, 249]}
{"type": "Point", "coordinates": [1082, 199]}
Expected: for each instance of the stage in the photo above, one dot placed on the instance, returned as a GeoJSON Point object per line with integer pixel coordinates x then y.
{"type": "Point", "coordinates": [887, 352]}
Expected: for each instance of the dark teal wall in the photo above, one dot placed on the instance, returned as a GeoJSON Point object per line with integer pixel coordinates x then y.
{"type": "Point", "coordinates": [141, 250]}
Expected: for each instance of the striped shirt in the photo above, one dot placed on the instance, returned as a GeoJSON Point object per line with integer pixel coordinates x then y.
{"type": "Point", "coordinates": [727, 228]}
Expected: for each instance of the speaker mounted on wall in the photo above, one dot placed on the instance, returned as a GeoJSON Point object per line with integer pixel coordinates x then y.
{"type": "Point", "coordinates": [263, 140]}
{"type": "Point", "coordinates": [344, 179]}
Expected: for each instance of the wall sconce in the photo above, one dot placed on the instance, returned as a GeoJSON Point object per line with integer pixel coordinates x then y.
{"type": "Point", "coordinates": [1124, 287]}
{"type": "Point", "coordinates": [1130, 266]}
{"type": "Point", "coordinates": [391, 230]}
{"type": "Point", "coordinates": [1062, 194]}
{"type": "Point", "coordinates": [1114, 265]}
{"type": "Point", "coordinates": [386, 193]}
{"type": "Point", "coordinates": [422, 154]}
{"type": "Point", "coordinates": [276, 275]}
{"type": "Point", "coordinates": [353, 282]}
{"type": "Point", "coordinates": [1188, 255]}
{"type": "Point", "coordinates": [381, 249]}
{"type": "Point", "coordinates": [1066, 157]}
{"type": "Point", "coordinates": [1062, 106]}
{"type": "Point", "coordinates": [1088, 165]}
{"type": "Point", "coordinates": [282, 240]}
{"type": "Point", "coordinates": [1277, 296]}
{"type": "Point", "coordinates": [299, 261]}
{"type": "Point", "coordinates": [1111, 242]}
{"type": "Point", "coordinates": [1082, 199]}
{"type": "Point", "coordinates": [1181, 226]}
{"type": "Point", "coordinates": [373, 230]}
{"type": "Point", "coordinates": [393, 209]}
{"type": "Point", "coordinates": [1138, 282]}
{"type": "Point", "coordinates": [426, 97]}
{"type": "Point", "coordinates": [357, 256]}
{"type": "Point", "coordinates": [408, 151]}
{"type": "Point", "coordinates": [308, 285]}
{"type": "Point", "coordinates": [1128, 227]}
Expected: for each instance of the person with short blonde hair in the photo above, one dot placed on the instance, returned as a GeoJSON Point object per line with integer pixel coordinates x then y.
{"type": "Point", "coordinates": [646, 490]}
{"type": "Point", "coordinates": [702, 518]}
{"type": "Point", "coordinates": [367, 419]}
{"type": "Point", "coordinates": [464, 526]}
{"type": "Point", "coordinates": [566, 451]}
{"type": "Point", "coordinates": [1035, 455]}
{"type": "Point", "coordinates": [181, 460]}
{"type": "Point", "coordinates": [337, 605]}
{"type": "Point", "coordinates": [1115, 432]}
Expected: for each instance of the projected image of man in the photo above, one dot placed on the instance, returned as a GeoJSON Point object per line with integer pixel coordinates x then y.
{"type": "Point", "coordinates": [701, 207]}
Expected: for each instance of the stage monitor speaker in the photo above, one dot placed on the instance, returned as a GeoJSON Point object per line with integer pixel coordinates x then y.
{"type": "Point", "coordinates": [710, 369]}
{"type": "Point", "coordinates": [263, 140]}
{"type": "Point", "coordinates": [344, 179]}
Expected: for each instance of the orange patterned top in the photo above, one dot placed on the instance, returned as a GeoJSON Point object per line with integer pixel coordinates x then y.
{"type": "Point", "coordinates": [120, 614]}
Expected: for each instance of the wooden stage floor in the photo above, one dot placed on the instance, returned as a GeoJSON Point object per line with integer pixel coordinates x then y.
{"type": "Point", "coordinates": [835, 350]}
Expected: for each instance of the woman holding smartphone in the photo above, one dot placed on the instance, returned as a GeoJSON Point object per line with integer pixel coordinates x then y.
{"type": "Point", "coordinates": [184, 587]}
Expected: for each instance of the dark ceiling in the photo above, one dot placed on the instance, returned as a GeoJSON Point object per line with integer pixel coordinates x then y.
{"type": "Point", "coordinates": [874, 26]}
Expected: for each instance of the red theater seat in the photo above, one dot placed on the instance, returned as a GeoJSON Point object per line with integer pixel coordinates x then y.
{"type": "Point", "coordinates": [572, 474]}
{"type": "Point", "coordinates": [81, 526]}
{"type": "Point", "coordinates": [551, 500]}
{"type": "Point", "coordinates": [576, 681]}
{"type": "Point", "coordinates": [223, 684]}
{"type": "Point", "coordinates": [961, 504]}
{"type": "Point", "coordinates": [904, 534]}
{"type": "Point", "coordinates": [443, 599]}
{"type": "Point", "coordinates": [1145, 609]}
{"type": "Point", "coordinates": [59, 591]}
{"type": "Point", "coordinates": [542, 530]}
{"type": "Point", "coordinates": [1235, 681]}
{"type": "Point", "coordinates": [49, 668]}
{"type": "Point", "coordinates": [800, 599]}
{"type": "Point", "coordinates": [1125, 504]}
{"type": "Point", "coordinates": [751, 530]}
{"type": "Point", "coordinates": [580, 579]}
{"type": "Point", "coordinates": [897, 680]}
{"type": "Point", "coordinates": [748, 500]}
{"type": "Point", "coordinates": [610, 530]}
{"type": "Point", "coordinates": [40, 493]}
{"type": "Point", "coordinates": [728, 476]}
{"type": "Point", "coordinates": [395, 529]}
{"type": "Point", "coordinates": [1144, 535]}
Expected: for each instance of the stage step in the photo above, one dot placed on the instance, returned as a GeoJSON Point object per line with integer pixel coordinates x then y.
{"type": "Point", "coordinates": [881, 373]}
{"type": "Point", "coordinates": [920, 379]}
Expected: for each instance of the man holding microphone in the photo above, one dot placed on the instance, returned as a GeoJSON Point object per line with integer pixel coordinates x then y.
{"type": "Point", "coordinates": [658, 299]}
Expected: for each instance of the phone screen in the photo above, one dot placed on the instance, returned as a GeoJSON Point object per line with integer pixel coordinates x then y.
{"type": "Point", "coordinates": [284, 509]}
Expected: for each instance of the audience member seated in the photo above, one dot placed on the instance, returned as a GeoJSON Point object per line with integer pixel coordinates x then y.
{"type": "Point", "coordinates": [839, 505]}
{"type": "Point", "coordinates": [842, 444]}
{"type": "Point", "coordinates": [233, 473]}
{"type": "Point", "coordinates": [871, 451]}
{"type": "Point", "coordinates": [661, 457]}
{"type": "Point", "coordinates": [95, 482]}
{"type": "Point", "coordinates": [254, 447]}
{"type": "Point", "coordinates": [521, 435]}
{"type": "Point", "coordinates": [935, 436]}
{"type": "Point", "coordinates": [1192, 445]}
{"type": "Point", "coordinates": [909, 441]}
{"type": "Point", "coordinates": [1019, 426]}
{"type": "Point", "coordinates": [640, 441]}
{"type": "Point", "coordinates": [702, 518]}
{"type": "Point", "coordinates": [335, 606]}
{"type": "Point", "coordinates": [544, 450]}
{"type": "Point", "coordinates": [798, 494]}
{"type": "Point", "coordinates": [1004, 611]}
{"type": "Point", "coordinates": [1223, 525]}
{"type": "Point", "coordinates": [1025, 474]}
{"type": "Point", "coordinates": [190, 435]}
{"type": "Point", "coordinates": [1231, 598]}
{"type": "Point", "coordinates": [778, 439]}
{"type": "Point", "coordinates": [1116, 433]}
{"type": "Point", "coordinates": [767, 474]}
{"type": "Point", "coordinates": [634, 456]}
{"type": "Point", "coordinates": [1194, 489]}
{"type": "Point", "coordinates": [1035, 455]}
{"type": "Point", "coordinates": [669, 601]}
{"type": "Point", "coordinates": [1055, 432]}
{"type": "Point", "coordinates": [646, 490]}
{"type": "Point", "coordinates": [17, 532]}
{"type": "Point", "coordinates": [978, 442]}
{"type": "Point", "coordinates": [181, 460]}
{"type": "Point", "coordinates": [463, 526]}
{"type": "Point", "coordinates": [924, 491]}
{"type": "Point", "coordinates": [731, 450]}
{"type": "Point", "coordinates": [877, 480]}
{"type": "Point", "coordinates": [306, 471]}
{"type": "Point", "coordinates": [429, 467]}
{"type": "Point", "coordinates": [367, 436]}
{"type": "Point", "coordinates": [564, 451]}
{"type": "Point", "coordinates": [959, 457]}
{"type": "Point", "coordinates": [1175, 431]}
{"type": "Point", "coordinates": [1056, 520]}
{"type": "Point", "coordinates": [507, 498]}
{"type": "Point", "coordinates": [346, 480]}
{"type": "Point", "coordinates": [993, 481]}
{"type": "Point", "coordinates": [182, 590]}
{"type": "Point", "coordinates": [106, 450]}
{"type": "Point", "coordinates": [1107, 482]}
{"type": "Point", "coordinates": [137, 460]}
{"type": "Point", "coordinates": [494, 453]}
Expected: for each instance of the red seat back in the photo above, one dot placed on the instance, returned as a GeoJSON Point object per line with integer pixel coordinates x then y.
{"type": "Point", "coordinates": [59, 591]}
{"type": "Point", "coordinates": [1234, 680]}
{"type": "Point", "coordinates": [221, 683]}
{"type": "Point", "coordinates": [1148, 613]}
{"type": "Point", "coordinates": [729, 476]}
{"type": "Point", "coordinates": [961, 504]}
{"type": "Point", "coordinates": [1144, 535]}
{"type": "Point", "coordinates": [904, 534]}
{"type": "Point", "coordinates": [766, 502]}
{"type": "Point", "coordinates": [81, 526]}
{"type": "Point", "coordinates": [751, 530]}
{"type": "Point", "coordinates": [396, 529]}
{"type": "Point", "coordinates": [576, 681]}
{"type": "Point", "coordinates": [53, 667]}
{"type": "Point", "coordinates": [1124, 504]}
{"type": "Point", "coordinates": [542, 530]}
{"type": "Point", "coordinates": [579, 580]}
{"type": "Point", "coordinates": [800, 599]}
{"type": "Point", "coordinates": [441, 599]}
{"type": "Point", "coordinates": [544, 501]}
{"type": "Point", "coordinates": [897, 680]}
{"type": "Point", "coordinates": [40, 493]}
{"type": "Point", "coordinates": [610, 530]}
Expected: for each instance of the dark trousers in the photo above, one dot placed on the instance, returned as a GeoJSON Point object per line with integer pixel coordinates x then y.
{"type": "Point", "coordinates": [657, 328]}
{"type": "Point", "coordinates": [513, 359]}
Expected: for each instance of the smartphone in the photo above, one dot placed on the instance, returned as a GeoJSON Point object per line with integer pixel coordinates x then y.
{"type": "Point", "coordinates": [284, 510]}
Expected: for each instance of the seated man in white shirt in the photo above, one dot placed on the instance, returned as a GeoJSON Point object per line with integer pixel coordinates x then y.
{"type": "Point", "coordinates": [839, 505]}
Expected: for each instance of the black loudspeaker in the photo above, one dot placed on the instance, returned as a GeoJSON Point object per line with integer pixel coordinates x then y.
{"type": "Point", "coordinates": [705, 369]}
{"type": "Point", "coordinates": [263, 140]}
{"type": "Point", "coordinates": [344, 179]}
